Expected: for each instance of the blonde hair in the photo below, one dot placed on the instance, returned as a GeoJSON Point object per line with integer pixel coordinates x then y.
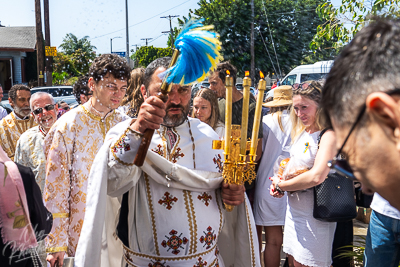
{"type": "Point", "coordinates": [210, 96]}
{"type": "Point", "coordinates": [278, 112]}
{"type": "Point", "coordinates": [312, 92]}
{"type": "Point", "coordinates": [133, 95]}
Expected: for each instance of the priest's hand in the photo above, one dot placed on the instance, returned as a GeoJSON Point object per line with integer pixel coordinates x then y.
{"type": "Point", "coordinates": [151, 115]}
{"type": "Point", "coordinates": [232, 194]}
{"type": "Point", "coordinates": [56, 258]}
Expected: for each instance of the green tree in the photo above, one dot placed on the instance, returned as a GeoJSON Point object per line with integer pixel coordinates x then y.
{"type": "Point", "coordinates": [291, 24]}
{"type": "Point", "coordinates": [146, 54]}
{"type": "Point", "coordinates": [73, 59]}
{"type": "Point", "coordinates": [344, 22]}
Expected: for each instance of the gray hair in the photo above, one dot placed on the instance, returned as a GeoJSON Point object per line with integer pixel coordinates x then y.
{"type": "Point", "coordinates": [38, 95]}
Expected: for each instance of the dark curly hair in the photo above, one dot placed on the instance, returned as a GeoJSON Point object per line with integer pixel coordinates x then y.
{"type": "Point", "coordinates": [13, 91]}
{"type": "Point", "coordinates": [222, 68]}
{"type": "Point", "coordinates": [109, 63]}
{"type": "Point", "coordinates": [81, 87]}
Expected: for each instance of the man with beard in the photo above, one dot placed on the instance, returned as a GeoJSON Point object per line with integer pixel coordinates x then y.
{"type": "Point", "coordinates": [71, 146]}
{"type": "Point", "coordinates": [29, 151]}
{"type": "Point", "coordinates": [18, 121]}
{"type": "Point", "coordinates": [172, 207]}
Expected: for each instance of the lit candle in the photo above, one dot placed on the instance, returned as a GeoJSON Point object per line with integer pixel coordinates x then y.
{"type": "Point", "coordinates": [262, 85]}
{"type": "Point", "coordinates": [228, 114]}
{"type": "Point", "coordinates": [245, 113]}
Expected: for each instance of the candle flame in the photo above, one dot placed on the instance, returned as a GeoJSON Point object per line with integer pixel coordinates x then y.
{"type": "Point", "coordinates": [261, 75]}
{"type": "Point", "coordinates": [227, 72]}
{"type": "Point", "coordinates": [247, 73]}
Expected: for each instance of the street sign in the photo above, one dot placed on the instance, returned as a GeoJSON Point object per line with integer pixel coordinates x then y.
{"type": "Point", "coordinates": [51, 51]}
{"type": "Point", "coordinates": [121, 54]}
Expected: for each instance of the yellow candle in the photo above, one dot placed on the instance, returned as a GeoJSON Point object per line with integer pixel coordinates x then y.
{"type": "Point", "coordinates": [228, 114]}
{"type": "Point", "coordinates": [257, 116]}
{"type": "Point", "coordinates": [245, 114]}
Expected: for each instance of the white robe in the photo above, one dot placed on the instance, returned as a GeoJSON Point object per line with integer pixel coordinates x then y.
{"type": "Point", "coordinates": [156, 225]}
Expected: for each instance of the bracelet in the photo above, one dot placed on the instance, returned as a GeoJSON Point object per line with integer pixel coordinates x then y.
{"type": "Point", "coordinates": [135, 132]}
{"type": "Point", "coordinates": [280, 191]}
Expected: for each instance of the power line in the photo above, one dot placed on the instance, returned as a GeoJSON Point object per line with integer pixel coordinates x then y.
{"type": "Point", "coordinates": [146, 39]}
{"type": "Point", "coordinates": [170, 26]}
{"type": "Point", "coordinates": [142, 20]}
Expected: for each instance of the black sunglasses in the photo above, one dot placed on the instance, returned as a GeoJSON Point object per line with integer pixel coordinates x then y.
{"type": "Point", "coordinates": [40, 110]}
{"type": "Point", "coordinates": [340, 164]}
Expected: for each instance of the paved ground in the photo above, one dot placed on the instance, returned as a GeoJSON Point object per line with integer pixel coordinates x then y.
{"type": "Point", "coordinates": [359, 228]}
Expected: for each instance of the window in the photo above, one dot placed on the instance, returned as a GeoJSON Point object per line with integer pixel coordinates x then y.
{"type": "Point", "coordinates": [290, 80]}
{"type": "Point", "coordinates": [312, 77]}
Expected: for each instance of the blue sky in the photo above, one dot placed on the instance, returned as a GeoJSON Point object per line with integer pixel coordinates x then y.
{"type": "Point", "coordinates": [102, 19]}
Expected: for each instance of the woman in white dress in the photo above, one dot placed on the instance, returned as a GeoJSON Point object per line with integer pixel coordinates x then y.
{"type": "Point", "coordinates": [205, 108]}
{"type": "Point", "coordinates": [269, 212]}
{"type": "Point", "coordinates": [307, 241]}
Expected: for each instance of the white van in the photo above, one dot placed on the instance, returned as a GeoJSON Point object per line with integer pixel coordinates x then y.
{"type": "Point", "coordinates": [304, 73]}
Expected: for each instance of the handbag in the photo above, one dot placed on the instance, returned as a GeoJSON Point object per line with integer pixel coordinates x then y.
{"type": "Point", "coordinates": [334, 198]}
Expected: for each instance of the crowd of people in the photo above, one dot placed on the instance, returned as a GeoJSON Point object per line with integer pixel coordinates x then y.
{"type": "Point", "coordinates": [71, 188]}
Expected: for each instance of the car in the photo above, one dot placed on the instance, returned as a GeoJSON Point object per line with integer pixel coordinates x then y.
{"type": "Point", "coordinates": [55, 91]}
{"type": "Point", "coordinates": [304, 73]}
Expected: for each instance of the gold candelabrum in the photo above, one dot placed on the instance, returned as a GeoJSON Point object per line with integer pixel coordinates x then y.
{"type": "Point", "coordinates": [238, 166]}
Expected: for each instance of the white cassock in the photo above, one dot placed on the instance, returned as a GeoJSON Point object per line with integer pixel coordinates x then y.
{"type": "Point", "coordinates": [171, 212]}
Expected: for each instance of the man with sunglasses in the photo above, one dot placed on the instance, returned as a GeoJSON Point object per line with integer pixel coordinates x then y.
{"type": "Point", "coordinates": [71, 146]}
{"type": "Point", "coordinates": [361, 96]}
{"type": "Point", "coordinates": [18, 121]}
{"type": "Point", "coordinates": [29, 151]}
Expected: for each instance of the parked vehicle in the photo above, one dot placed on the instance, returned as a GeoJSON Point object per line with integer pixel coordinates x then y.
{"type": "Point", "coordinates": [55, 91]}
{"type": "Point", "coordinates": [304, 73]}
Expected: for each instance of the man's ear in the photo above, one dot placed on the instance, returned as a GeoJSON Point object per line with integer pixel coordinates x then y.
{"type": "Point", "coordinates": [11, 102]}
{"type": "Point", "coordinates": [91, 83]}
{"type": "Point", "coordinates": [143, 91]}
{"type": "Point", "coordinates": [385, 110]}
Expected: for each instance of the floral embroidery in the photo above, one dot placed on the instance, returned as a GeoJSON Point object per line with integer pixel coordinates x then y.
{"type": "Point", "coordinates": [205, 198]}
{"type": "Point", "coordinates": [209, 237]}
{"type": "Point", "coordinates": [218, 161]}
{"type": "Point", "coordinates": [121, 146]}
{"type": "Point", "coordinates": [167, 200]}
{"type": "Point", "coordinates": [200, 263]}
{"type": "Point", "coordinates": [157, 264]}
{"type": "Point", "coordinates": [159, 150]}
{"type": "Point", "coordinates": [174, 242]}
{"type": "Point", "coordinates": [175, 156]}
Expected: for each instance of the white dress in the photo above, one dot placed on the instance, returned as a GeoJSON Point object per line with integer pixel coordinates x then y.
{"type": "Point", "coordinates": [270, 211]}
{"type": "Point", "coordinates": [308, 240]}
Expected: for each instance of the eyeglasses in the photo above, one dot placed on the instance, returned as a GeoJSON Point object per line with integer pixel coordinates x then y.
{"type": "Point", "coordinates": [340, 164]}
{"type": "Point", "coordinates": [66, 108]}
{"type": "Point", "coordinates": [40, 110]}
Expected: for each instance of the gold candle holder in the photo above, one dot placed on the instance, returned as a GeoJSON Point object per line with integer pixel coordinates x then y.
{"type": "Point", "coordinates": [245, 113]}
{"type": "Point", "coordinates": [262, 85]}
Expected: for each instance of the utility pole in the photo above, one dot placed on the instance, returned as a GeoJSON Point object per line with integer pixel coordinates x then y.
{"type": "Point", "coordinates": [49, 60]}
{"type": "Point", "coordinates": [146, 39]}
{"type": "Point", "coordinates": [252, 67]}
{"type": "Point", "coordinates": [170, 27]}
{"type": "Point", "coordinates": [127, 31]}
{"type": "Point", "coordinates": [39, 44]}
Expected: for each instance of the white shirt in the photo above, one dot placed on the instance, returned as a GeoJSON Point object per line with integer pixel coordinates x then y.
{"type": "Point", "coordinates": [381, 205]}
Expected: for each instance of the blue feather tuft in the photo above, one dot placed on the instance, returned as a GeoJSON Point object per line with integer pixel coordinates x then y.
{"type": "Point", "coordinates": [198, 52]}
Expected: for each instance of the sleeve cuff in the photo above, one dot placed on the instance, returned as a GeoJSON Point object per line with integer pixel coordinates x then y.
{"type": "Point", "coordinates": [126, 147]}
{"type": "Point", "coordinates": [56, 249]}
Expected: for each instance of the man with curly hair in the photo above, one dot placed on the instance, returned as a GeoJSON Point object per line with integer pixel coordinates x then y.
{"type": "Point", "coordinates": [71, 146]}
{"type": "Point", "coordinates": [18, 121]}
{"type": "Point", "coordinates": [81, 90]}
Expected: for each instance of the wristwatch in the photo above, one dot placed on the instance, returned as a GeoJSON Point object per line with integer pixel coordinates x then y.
{"type": "Point", "coordinates": [278, 188]}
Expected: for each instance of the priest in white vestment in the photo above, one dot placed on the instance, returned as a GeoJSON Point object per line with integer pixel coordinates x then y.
{"type": "Point", "coordinates": [18, 121]}
{"type": "Point", "coordinates": [29, 151]}
{"type": "Point", "coordinates": [172, 211]}
{"type": "Point", "coordinates": [71, 146]}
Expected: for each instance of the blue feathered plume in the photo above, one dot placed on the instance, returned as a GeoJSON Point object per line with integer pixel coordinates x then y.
{"type": "Point", "coordinates": [199, 52]}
